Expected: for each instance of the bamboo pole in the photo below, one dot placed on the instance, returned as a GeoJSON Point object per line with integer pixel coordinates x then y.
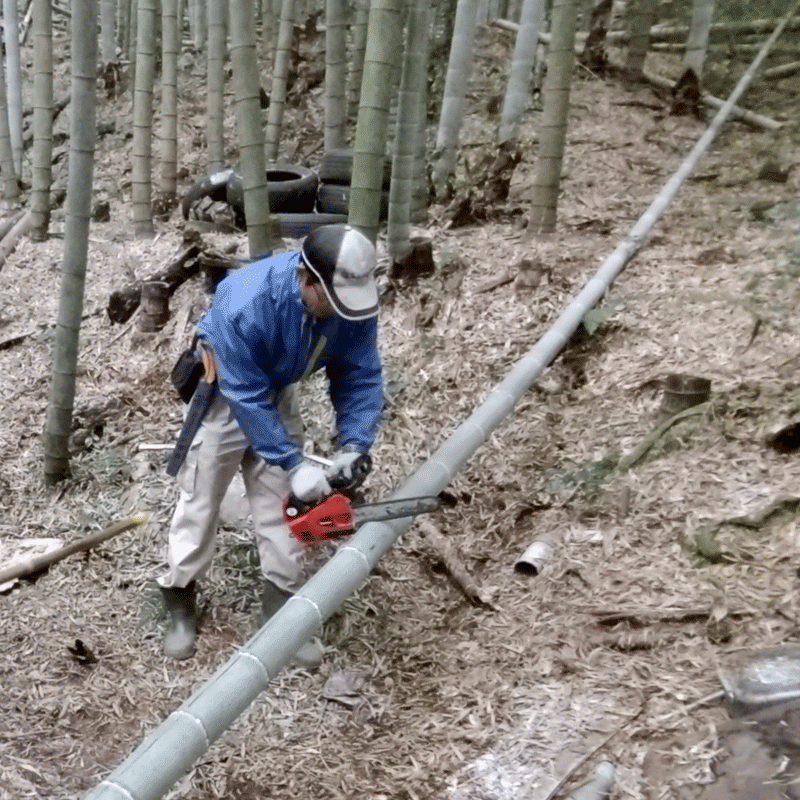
{"type": "Point", "coordinates": [170, 750]}
{"type": "Point", "coordinates": [757, 120]}
{"type": "Point", "coordinates": [751, 117]}
{"type": "Point", "coordinates": [7, 224]}
{"type": "Point", "coordinates": [36, 563]}
{"type": "Point", "coordinates": [661, 33]}
{"type": "Point", "coordinates": [781, 72]}
{"type": "Point", "coordinates": [9, 241]}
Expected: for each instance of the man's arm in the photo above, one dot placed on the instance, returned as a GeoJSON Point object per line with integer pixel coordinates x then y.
{"type": "Point", "coordinates": [252, 397]}
{"type": "Point", "coordinates": [355, 385]}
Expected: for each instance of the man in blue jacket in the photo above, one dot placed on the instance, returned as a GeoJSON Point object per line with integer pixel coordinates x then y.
{"type": "Point", "coordinates": [272, 323]}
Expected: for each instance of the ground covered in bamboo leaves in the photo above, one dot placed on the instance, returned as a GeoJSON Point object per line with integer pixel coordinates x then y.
{"type": "Point", "coordinates": [501, 691]}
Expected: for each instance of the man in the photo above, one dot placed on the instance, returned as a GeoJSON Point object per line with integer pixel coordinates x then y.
{"type": "Point", "coordinates": [272, 323]}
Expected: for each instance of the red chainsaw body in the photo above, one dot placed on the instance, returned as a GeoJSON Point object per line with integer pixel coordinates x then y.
{"type": "Point", "coordinates": [330, 519]}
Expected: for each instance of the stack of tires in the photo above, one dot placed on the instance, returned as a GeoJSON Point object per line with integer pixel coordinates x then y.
{"type": "Point", "coordinates": [335, 173]}
{"type": "Point", "coordinates": [291, 190]}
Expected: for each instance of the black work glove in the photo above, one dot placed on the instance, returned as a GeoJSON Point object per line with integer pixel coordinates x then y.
{"type": "Point", "coordinates": [348, 470]}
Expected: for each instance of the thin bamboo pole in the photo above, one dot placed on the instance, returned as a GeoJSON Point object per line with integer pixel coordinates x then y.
{"type": "Point", "coordinates": [36, 563]}
{"type": "Point", "coordinates": [170, 750]}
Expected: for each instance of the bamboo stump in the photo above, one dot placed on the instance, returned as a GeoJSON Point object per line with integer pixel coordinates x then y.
{"type": "Point", "coordinates": [154, 309]}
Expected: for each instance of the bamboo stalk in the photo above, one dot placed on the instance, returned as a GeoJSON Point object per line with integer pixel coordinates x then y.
{"type": "Point", "coordinates": [781, 72]}
{"type": "Point", "coordinates": [7, 224]}
{"type": "Point", "coordinates": [661, 33]}
{"type": "Point", "coordinates": [168, 752]}
{"type": "Point", "coordinates": [9, 241]}
{"type": "Point", "coordinates": [757, 120]}
{"type": "Point", "coordinates": [37, 563]}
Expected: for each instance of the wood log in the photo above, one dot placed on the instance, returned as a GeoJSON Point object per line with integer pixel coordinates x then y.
{"type": "Point", "coordinates": [123, 302]}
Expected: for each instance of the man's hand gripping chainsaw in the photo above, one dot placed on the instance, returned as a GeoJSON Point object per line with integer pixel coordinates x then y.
{"type": "Point", "coordinates": [334, 516]}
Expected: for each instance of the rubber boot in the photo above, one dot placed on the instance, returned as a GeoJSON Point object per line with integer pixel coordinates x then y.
{"type": "Point", "coordinates": [181, 603]}
{"type": "Point", "coordinates": [273, 598]}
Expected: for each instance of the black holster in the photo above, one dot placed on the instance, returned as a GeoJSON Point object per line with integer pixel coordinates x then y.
{"type": "Point", "coordinates": [187, 371]}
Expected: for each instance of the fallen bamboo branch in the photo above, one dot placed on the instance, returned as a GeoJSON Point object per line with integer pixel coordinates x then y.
{"type": "Point", "coordinates": [646, 616]}
{"type": "Point", "coordinates": [783, 71]}
{"type": "Point", "coordinates": [5, 344]}
{"type": "Point", "coordinates": [757, 120]}
{"type": "Point", "coordinates": [7, 224]}
{"type": "Point", "coordinates": [591, 754]}
{"type": "Point", "coordinates": [37, 563]}
{"type": "Point", "coordinates": [639, 452]}
{"type": "Point", "coordinates": [445, 552]}
{"type": "Point", "coordinates": [660, 33]}
{"type": "Point", "coordinates": [493, 283]}
{"type": "Point", "coordinates": [9, 241]}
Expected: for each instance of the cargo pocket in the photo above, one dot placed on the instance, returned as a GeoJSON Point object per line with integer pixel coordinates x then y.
{"type": "Point", "coordinates": [187, 474]}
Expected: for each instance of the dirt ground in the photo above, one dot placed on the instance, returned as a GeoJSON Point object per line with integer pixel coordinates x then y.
{"type": "Point", "coordinates": [612, 651]}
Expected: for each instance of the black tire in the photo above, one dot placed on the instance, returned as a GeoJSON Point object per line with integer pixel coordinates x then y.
{"type": "Point", "coordinates": [213, 186]}
{"type": "Point", "coordinates": [334, 198]}
{"type": "Point", "coordinates": [337, 167]}
{"type": "Point", "coordinates": [291, 188]}
{"type": "Point", "coordinates": [296, 226]}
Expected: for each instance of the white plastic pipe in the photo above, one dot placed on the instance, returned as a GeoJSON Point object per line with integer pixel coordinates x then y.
{"type": "Point", "coordinates": [171, 749]}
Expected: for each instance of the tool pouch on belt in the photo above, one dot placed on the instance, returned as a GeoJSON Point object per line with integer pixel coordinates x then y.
{"type": "Point", "coordinates": [187, 372]}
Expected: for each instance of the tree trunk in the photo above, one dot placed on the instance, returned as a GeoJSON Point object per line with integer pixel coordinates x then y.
{"type": "Point", "coordinates": [354, 76]}
{"type": "Point", "coordinates": [141, 183]}
{"type": "Point", "coordinates": [409, 109]}
{"type": "Point", "coordinates": [76, 240]}
{"type": "Point", "coordinates": [369, 150]}
{"type": "Point", "coordinates": [452, 115]}
{"type": "Point", "coordinates": [124, 27]}
{"type": "Point", "coordinates": [335, 74]}
{"type": "Point", "coordinates": [108, 44]}
{"type": "Point", "coordinates": [697, 43]}
{"type": "Point", "coordinates": [217, 46]}
{"type": "Point", "coordinates": [13, 80]}
{"type": "Point", "coordinates": [170, 47]}
{"type": "Point", "coordinates": [553, 127]}
{"type": "Point", "coordinates": [247, 94]}
{"type": "Point", "coordinates": [643, 14]}
{"type": "Point", "coordinates": [200, 24]}
{"type": "Point", "coordinates": [280, 73]}
{"type": "Point", "coordinates": [42, 164]}
{"type": "Point", "coordinates": [9, 172]}
{"type": "Point", "coordinates": [518, 91]}
{"type": "Point", "coordinates": [420, 188]}
{"type": "Point", "coordinates": [268, 28]}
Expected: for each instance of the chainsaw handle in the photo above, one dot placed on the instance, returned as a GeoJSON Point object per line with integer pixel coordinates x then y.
{"type": "Point", "coordinates": [295, 507]}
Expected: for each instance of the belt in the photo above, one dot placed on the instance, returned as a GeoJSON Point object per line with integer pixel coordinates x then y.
{"type": "Point", "coordinates": [201, 401]}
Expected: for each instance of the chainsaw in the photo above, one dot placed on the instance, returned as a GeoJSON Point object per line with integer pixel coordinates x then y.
{"type": "Point", "coordinates": [335, 516]}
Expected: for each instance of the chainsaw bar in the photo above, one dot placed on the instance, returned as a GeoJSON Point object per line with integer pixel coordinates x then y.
{"type": "Point", "coordinates": [335, 517]}
{"type": "Point", "coordinates": [394, 509]}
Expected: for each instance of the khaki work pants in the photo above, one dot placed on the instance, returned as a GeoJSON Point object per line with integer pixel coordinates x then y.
{"type": "Point", "coordinates": [218, 449]}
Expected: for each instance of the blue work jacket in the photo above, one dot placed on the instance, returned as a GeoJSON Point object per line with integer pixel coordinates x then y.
{"type": "Point", "coordinates": [263, 340]}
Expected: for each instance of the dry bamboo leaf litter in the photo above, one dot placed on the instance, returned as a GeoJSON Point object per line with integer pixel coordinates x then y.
{"type": "Point", "coordinates": [449, 681]}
